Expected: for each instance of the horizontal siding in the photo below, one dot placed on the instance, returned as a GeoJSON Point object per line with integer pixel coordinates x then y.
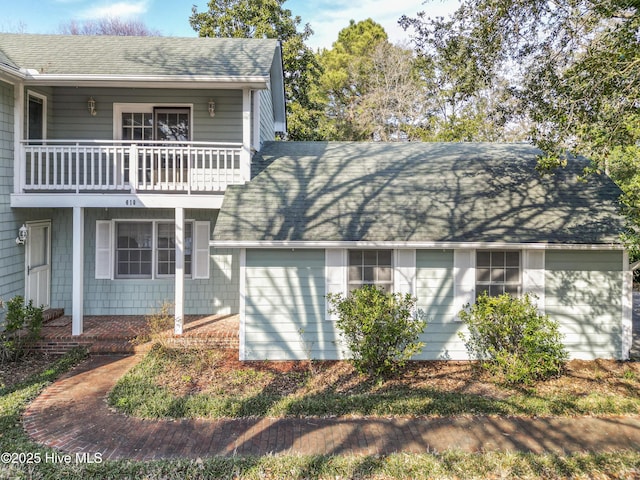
{"type": "Point", "coordinates": [583, 292]}
{"type": "Point", "coordinates": [434, 291]}
{"type": "Point", "coordinates": [69, 118]}
{"type": "Point", "coordinates": [284, 316]}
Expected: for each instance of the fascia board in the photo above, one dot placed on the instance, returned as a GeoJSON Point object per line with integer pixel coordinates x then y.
{"type": "Point", "coordinates": [412, 245]}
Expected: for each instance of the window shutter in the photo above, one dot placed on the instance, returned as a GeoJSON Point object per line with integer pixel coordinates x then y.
{"type": "Point", "coordinates": [533, 276]}
{"type": "Point", "coordinates": [335, 275]}
{"type": "Point", "coordinates": [405, 272]}
{"type": "Point", "coordinates": [104, 238]}
{"type": "Point", "coordinates": [201, 257]}
{"type": "Point", "coordinates": [464, 274]}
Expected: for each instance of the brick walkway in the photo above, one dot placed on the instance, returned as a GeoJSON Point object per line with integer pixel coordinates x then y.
{"type": "Point", "coordinates": [72, 416]}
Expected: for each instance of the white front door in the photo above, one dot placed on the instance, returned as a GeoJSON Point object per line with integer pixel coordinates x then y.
{"type": "Point", "coordinates": [38, 263]}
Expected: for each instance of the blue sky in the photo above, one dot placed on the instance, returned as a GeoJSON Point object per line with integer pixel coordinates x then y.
{"type": "Point", "coordinates": [171, 17]}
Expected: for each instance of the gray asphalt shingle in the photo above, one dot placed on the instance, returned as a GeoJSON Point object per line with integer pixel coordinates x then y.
{"type": "Point", "coordinates": [145, 56]}
{"type": "Point", "coordinates": [428, 192]}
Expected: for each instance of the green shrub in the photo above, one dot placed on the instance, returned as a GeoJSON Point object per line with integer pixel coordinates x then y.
{"type": "Point", "coordinates": [379, 328]}
{"type": "Point", "coordinates": [511, 339]}
{"type": "Point", "coordinates": [23, 323]}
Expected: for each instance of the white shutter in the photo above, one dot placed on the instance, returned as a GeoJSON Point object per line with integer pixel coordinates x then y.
{"type": "Point", "coordinates": [464, 274]}
{"type": "Point", "coordinates": [104, 238]}
{"type": "Point", "coordinates": [533, 275]}
{"type": "Point", "coordinates": [201, 257]}
{"type": "Point", "coordinates": [335, 275]}
{"type": "Point", "coordinates": [405, 272]}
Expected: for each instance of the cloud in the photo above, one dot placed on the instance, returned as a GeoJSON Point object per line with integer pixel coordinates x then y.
{"type": "Point", "coordinates": [117, 10]}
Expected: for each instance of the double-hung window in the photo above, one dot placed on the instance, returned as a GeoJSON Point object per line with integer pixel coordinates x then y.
{"type": "Point", "coordinates": [371, 267]}
{"type": "Point", "coordinates": [147, 249]}
{"type": "Point", "coordinates": [498, 272]}
{"type": "Point", "coordinates": [166, 248]}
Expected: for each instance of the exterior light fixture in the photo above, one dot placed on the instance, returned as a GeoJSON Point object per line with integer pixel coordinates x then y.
{"type": "Point", "coordinates": [22, 235]}
{"type": "Point", "coordinates": [91, 106]}
{"type": "Point", "coordinates": [212, 108]}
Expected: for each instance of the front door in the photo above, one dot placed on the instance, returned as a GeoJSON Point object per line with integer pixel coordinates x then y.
{"type": "Point", "coordinates": [38, 263]}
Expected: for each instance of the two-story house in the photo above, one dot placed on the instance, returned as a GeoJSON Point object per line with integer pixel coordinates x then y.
{"type": "Point", "coordinates": [115, 153]}
{"type": "Point", "coordinates": [137, 170]}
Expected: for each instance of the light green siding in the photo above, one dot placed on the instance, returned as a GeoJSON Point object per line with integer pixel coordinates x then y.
{"type": "Point", "coordinates": [284, 312]}
{"type": "Point", "coordinates": [11, 255]}
{"type": "Point", "coordinates": [266, 117]}
{"type": "Point", "coordinates": [434, 291]}
{"type": "Point", "coordinates": [127, 297]}
{"type": "Point", "coordinates": [583, 291]}
{"type": "Point", "coordinates": [69, 118]}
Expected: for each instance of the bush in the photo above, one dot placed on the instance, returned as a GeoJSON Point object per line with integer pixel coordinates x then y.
{"type": "Point", "coordinates": [379, 328]}
{"type": "Point", "coordinates": [159, 325]}
{"type": "Point", "coordinates": [511, 339]}
{"type": "Point", "coordinates": [23, 323]}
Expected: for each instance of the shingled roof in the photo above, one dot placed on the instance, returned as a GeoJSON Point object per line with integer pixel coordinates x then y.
{"type": "Point", "coordinates": [144, 56]}
{"type": "Point", "coordinates": [416, 192]}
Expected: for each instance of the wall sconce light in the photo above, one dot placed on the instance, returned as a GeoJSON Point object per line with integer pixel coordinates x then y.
{"type": "Point", "coordinates": [22, 235]}
{"type": "Point", "coordinates": [91, 106]}
{"type": "Point", "coordinates": [212, 108]}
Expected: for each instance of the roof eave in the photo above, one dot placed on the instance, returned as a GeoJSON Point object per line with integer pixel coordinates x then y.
{"type": "Point", "coordinates": [410, 245]}
{"type": "Point", "coordinates": [150, 81]}
{"type": "Point", "coordinates": [8, 72]}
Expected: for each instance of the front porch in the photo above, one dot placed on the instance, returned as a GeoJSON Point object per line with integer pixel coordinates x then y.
{"type": "Point", "coordinates": [117, 334]}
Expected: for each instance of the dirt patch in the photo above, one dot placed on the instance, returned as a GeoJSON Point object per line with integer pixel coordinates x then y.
{"type": "Point", "coordinates": [12, 373]}
{"type": "Point", "coordinates": [206, 371]}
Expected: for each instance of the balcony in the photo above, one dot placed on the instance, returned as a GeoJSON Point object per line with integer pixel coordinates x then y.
{"type": "Point", "coordinates": [85, 167]}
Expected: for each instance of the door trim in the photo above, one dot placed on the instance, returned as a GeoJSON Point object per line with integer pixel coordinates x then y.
{"type": "Point", "coordinates": [27, 267]}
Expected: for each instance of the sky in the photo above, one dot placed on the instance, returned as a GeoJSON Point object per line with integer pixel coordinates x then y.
{"type": "Point", "coordinates": [171, 17]}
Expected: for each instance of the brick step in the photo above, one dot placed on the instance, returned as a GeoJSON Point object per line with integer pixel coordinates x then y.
{"type": "Point", "coordinates": [51, 314]}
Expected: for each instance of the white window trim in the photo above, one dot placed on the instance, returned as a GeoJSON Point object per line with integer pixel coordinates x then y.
{"type": "Point", "coordinates": [31, 93]}
{"type": "Point", "coordinates": [154, 274]}
{"type": "Point", "coordinates": [120, 108]}
{"type": "Point", "coordinates": [521, 275]}
{"type": "Point", "coordinates": [532, 276]}
{"type": "Point", "coordinates": [362, 282]}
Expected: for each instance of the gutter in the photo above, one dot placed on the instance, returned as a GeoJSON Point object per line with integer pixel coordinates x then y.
{"type": "Point", "coordinates": [408, 245]}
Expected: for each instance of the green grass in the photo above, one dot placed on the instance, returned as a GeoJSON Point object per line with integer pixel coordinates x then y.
{"type": "Point", "coordinates": [445, 465]}
{"type": "Point", "coordinates": [138, 394]}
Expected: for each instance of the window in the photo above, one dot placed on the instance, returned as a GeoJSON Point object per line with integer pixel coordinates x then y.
{"type": "Point", "coordinates": [370, 267]}
{"type": "Point", "coordinates": [141, 245]}
{"type": "Point", "coordinates": [172, 124]}
{"type": "Point", "coordinates": [166, 258]}
{"type": "Point", "coordinates": [146, 122]}
{"type": "Point", "coordinates": [137, 126]}
{"type": "Point", "coordinates": [498, 272]}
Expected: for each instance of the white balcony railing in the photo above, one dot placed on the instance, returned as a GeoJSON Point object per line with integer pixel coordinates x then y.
{"type": "Point", "coordinates": [119, 166]}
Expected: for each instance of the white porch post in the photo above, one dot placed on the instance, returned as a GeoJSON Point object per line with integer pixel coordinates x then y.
{"type": "Point", "coordinates": [179, 289]}
{"type": "Point", "coordinates": [19, 170]}
{"type": "Point", "coordinates": [77, 297]}
{"type": "Point", "coordinates": [245, 154]}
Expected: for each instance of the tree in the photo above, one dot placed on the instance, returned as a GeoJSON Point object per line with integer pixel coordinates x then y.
{"type": "Point", "coordinates": [109, 26]}
{"type": "Point", "coordinates": [268, 19]}
{"type": "Point", "coordinates": [346, 69]}
{"type": "Point", "coordinates": [574, 73]}
{"type": "Point", "coordinates": [573, 67]}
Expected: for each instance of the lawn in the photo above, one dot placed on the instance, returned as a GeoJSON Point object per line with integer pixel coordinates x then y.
{"type": "Point", "coordinates": [22, 382]}
{"type": "Point", "coordinates": [202, 383]}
